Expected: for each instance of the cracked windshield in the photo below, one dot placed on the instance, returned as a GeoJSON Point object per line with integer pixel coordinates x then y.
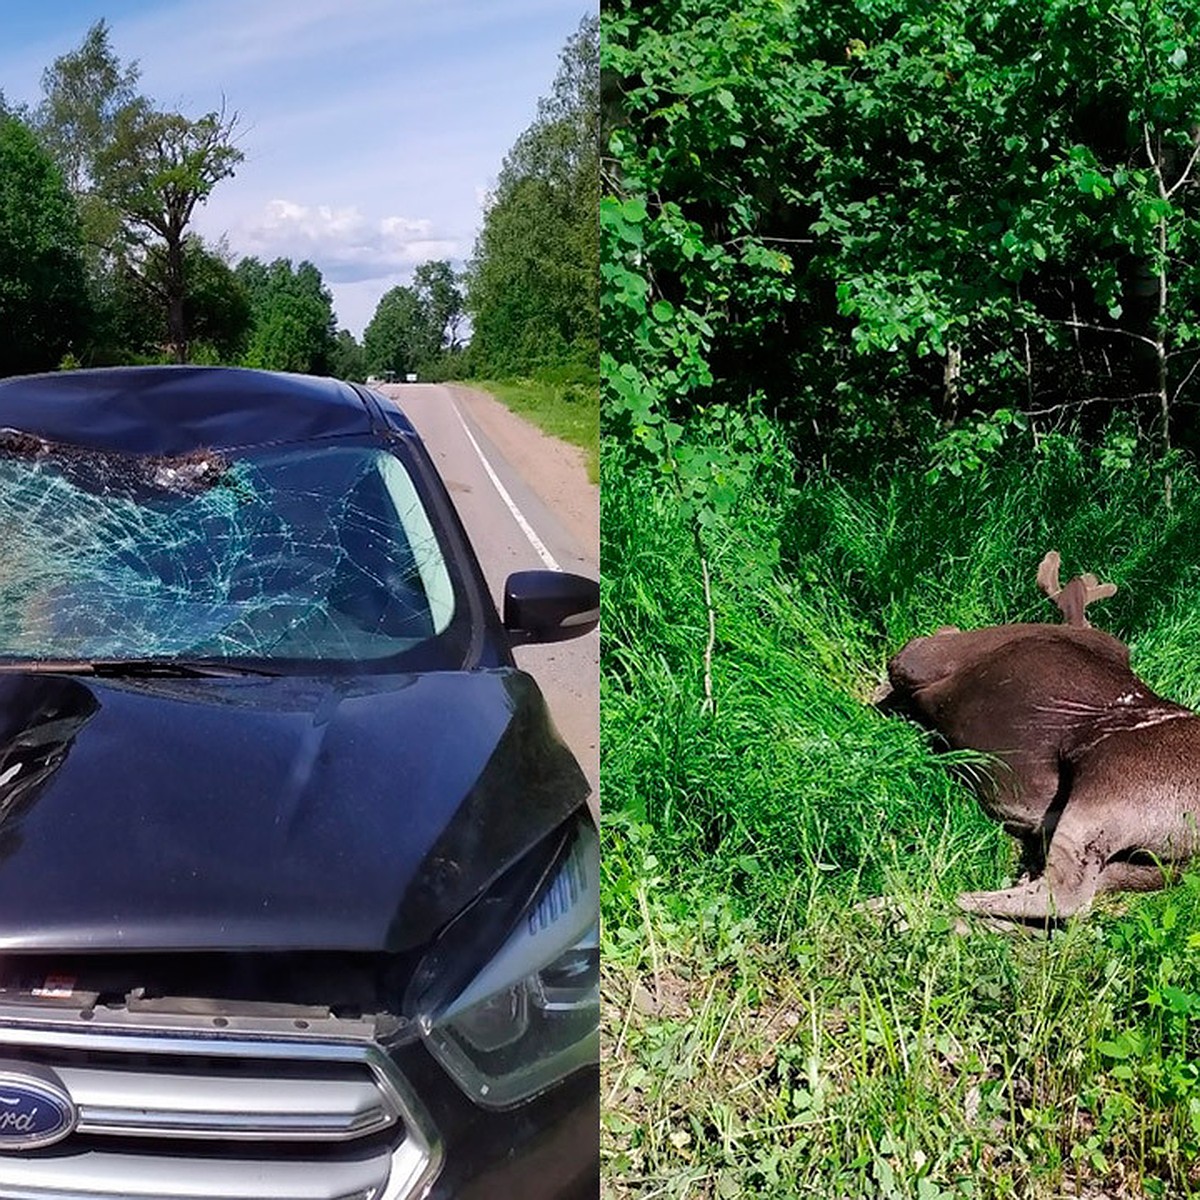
{"type": "Point", "coordinates": [326, 554]}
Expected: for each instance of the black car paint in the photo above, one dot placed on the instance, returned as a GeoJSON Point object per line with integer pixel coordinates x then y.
{"type": "Point", "coordinates": [336, 809]}
{"type": "Point", "coordinates": [313, 782]}
{"type": "Point", "coordinates": [178, 410]}
{"type": "Point", "coordinates": [283, 813]}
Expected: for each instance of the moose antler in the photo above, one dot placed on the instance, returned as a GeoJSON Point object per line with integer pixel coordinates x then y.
{"type": "Point", "coordinates": [1077, 595]}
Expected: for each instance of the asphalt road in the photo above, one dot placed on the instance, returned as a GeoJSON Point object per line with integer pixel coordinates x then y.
{"type": "Point", "coordinates": [531, 537]}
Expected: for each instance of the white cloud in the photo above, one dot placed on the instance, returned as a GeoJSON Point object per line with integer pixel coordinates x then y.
{"type": "Point", "coordinates": [345, 244]}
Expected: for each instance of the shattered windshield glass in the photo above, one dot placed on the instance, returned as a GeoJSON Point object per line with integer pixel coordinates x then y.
{"type": "Point", "coordinates": [315, 553]}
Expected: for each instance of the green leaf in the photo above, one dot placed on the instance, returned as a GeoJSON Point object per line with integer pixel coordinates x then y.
{"type": "Point", "coordinates": [634, 210]}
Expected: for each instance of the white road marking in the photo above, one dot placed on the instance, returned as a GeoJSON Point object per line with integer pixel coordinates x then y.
{"type": "Point", "coordinates": [518, 516]}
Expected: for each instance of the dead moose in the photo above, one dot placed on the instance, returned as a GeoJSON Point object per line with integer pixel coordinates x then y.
{"type": "Point", "coordinates": [1097, 776]}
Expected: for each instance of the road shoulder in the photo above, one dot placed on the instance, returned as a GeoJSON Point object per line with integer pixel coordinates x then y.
{"type": "Point", "coordinates": [554, 470]}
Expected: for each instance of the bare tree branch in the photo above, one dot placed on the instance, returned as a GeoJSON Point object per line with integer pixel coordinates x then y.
{"type": "Point", "coordinates": [1137, 337]}
{"type": "Point", "coordinates": [1066, 405]}
{"type": "Point", "coordinates": [1187, 170]}
{"type": "Point", "coordinates": [1184, 381]}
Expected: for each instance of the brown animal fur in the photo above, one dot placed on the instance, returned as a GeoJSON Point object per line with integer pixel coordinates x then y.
{"type": "Point", "coordinates": [1098, 777]}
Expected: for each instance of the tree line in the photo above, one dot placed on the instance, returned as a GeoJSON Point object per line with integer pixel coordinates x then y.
{"type": "Point", "coordinates": [98, 260]}
{"type": "Point", "coordinates": [99, 263]}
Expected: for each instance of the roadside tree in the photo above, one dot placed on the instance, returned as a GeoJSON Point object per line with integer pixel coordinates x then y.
{"type": "Point", "coordinates": [348, 360]}
{"type": "Point", "coordinates": [43, 299]}
{"type": "Point", "coordinates": [293, 323]}
{"type": "Point", "coordinates": [137, 173]}
{"type": "Point", "coordinates": [437, 287]}
{"type": "Point", "coordinates": [397, 337]}
{"type": "Point", "coordinates": [156, 169]}
{"type": "Point", "coordinates": [82, 93]}
{"type": "Point", "coordinates": [130, 324]}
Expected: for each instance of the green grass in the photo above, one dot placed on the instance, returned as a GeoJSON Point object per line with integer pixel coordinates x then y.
{"type": "Point", "coordinates": [792, 1006]}
{"type": "Point", "coordinates": [849, 1053]}
{"type": "Point", "coordinates": [569, 411]}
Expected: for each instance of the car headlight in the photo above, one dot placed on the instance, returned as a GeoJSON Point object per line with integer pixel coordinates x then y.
{"type": "Point", "coordinates": [531, 1016]}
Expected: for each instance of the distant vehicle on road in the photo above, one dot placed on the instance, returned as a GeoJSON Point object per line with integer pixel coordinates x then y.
{"type": "Point", "coordinates": [298, 886]}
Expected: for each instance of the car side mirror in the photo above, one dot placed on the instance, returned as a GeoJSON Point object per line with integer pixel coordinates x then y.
{"type": "Point", "coordinates": [549, 606]}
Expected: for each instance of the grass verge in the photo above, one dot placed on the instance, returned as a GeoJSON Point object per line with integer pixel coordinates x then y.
{"type": "Point", "coordinates": [853, 1053]}
{"type": "Point", "coordinates": [568, 411]}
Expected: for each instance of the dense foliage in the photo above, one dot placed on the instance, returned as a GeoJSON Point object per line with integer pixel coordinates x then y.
{"type": "Point", "coordinates": [293, 327]}
{"type": "Point", "coordinates": [886, 216]}
{"type": "Point", "coordinates": [43, 305]}
{"type": "Point", "coordinates": [348, 361]}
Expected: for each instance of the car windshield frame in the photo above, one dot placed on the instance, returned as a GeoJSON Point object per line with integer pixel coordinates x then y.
{"type": "Point", "coordinates": [456, 646]}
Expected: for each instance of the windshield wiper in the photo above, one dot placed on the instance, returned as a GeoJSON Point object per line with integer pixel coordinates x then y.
{"type": "Point", "coordinates": [137, 668]}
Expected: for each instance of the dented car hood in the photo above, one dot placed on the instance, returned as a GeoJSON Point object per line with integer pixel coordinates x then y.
{"type": "Point", "coordinates": [279, 813]}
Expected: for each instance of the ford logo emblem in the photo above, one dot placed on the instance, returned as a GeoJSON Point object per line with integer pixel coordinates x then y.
{"type": "Point", "coordinates": [35, 1109]}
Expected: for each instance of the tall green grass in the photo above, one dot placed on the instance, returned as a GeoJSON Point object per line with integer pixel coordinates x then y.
{"type": "Point", "coordinates": [790, 1008]}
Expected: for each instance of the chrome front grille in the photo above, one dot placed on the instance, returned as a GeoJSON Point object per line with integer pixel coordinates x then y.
{"type": "Point", "coordinates": [343, 1103]}
{"type": "Point", "coordinates": [119, 1176]}
{"type": "Point", "coordinates": [257, 1110]}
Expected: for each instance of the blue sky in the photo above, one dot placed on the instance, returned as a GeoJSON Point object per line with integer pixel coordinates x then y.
{"type": "Point", "coordinates": [372, 129]}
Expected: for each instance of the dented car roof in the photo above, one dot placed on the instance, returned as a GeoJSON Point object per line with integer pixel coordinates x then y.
{"type": "Point", "coordinates": [172, 410]}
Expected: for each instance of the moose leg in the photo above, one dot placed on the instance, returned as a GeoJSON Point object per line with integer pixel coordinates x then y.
{"type": "Point", "coordinates": [1036, 901]}
{"type": "Point", "coordinates": [1028, 798]}
{"type": "Point", "coordinates": [1130, 877]}
{"type": "Point", "coordinates": [1068, 885]}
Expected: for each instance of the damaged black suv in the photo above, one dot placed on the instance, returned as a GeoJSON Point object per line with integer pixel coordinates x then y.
{"type": "Point", "coordinates": [298, 889]}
